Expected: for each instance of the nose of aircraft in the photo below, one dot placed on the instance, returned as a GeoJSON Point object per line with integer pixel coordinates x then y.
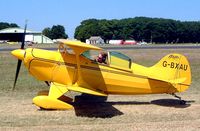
{"type": "Point", "coordinates": [19, 53]}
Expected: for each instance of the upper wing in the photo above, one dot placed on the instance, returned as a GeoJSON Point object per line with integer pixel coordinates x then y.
{"type": "Point", "coordinates": [78, 46]}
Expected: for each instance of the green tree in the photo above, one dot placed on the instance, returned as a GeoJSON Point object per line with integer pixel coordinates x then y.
{"type": "Point", "coordinates": [87, 28]}
{"type": "Point", "coordinates": [47, 32]}
{"type": "Point", "coordinates": [157, 30]}
{"type": "Point", "coordinates": [4, 25]}
{"type": "Point", "coordinates": [56, 32]}
{"type": "Point", "coordinates": [13, 25]}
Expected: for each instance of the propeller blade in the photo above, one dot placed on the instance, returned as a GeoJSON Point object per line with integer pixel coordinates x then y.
{"type": "Point", "coordinates": [17, 72]}
{"type": "Point", "coordinates": [23, 38]}
{"type": "Point", "coordinates": [20, 61]}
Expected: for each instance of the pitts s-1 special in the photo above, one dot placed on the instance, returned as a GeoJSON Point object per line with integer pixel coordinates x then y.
{"type": "Point", "coordinates": [79, 70]}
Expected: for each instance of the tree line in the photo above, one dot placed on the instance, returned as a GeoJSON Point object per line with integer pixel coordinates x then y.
{"type": "Point", "coordinates": [156, 30]}
{"type": "Point", "coordinates": [4, 25]}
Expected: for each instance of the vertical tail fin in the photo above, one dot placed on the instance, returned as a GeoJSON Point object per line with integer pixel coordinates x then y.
{"type": "Point", "coordinates": [174, 69]}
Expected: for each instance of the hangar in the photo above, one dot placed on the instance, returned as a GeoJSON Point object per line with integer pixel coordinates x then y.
{"type": "Point", "coordinates": [16, 35]}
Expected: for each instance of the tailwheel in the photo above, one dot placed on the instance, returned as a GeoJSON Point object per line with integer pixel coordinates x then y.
{"type": "Point", "coordinates": [182, 102]}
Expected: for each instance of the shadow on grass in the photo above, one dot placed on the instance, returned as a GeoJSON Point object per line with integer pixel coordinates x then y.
{"type": "Point", "coordinates": [172, 103]}
{"type": "Point", "coordinates": [96, 106]}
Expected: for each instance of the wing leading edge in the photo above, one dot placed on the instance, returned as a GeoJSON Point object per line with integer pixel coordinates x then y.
{"type": "Point", "coordinates": [77, 45]}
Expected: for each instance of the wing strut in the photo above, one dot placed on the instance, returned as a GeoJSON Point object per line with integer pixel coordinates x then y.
{"type": "Point", "coordinates": [78, 47]}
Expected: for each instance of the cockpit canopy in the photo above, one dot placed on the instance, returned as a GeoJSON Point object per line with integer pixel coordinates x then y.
{"type": "Point", "coordinates": [114, 58]}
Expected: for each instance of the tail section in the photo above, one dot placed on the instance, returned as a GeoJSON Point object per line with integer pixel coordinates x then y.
{"type": "Point", "coordinates": [174, 69]}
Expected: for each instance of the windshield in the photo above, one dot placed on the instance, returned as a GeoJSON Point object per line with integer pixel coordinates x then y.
{"type": "Point", "coordinates": [119, 59]}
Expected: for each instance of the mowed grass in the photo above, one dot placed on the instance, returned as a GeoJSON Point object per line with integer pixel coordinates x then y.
{"type": "Point", "coordinates": [143, 112]}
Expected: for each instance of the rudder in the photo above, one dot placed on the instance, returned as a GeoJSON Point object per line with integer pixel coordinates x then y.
{"type": "Point", "coordinates": [174, 69]}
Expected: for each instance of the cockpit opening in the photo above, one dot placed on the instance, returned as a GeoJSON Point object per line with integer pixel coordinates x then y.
{"type": "Point", "coordinates": [110, 58]}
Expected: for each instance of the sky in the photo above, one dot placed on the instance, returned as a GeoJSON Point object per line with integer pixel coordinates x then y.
{"type": "Point", "coordinates": [69, 13]}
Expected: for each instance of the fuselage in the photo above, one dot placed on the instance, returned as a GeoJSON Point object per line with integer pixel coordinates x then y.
{"type": "Point", "coordinates": [61, 68]}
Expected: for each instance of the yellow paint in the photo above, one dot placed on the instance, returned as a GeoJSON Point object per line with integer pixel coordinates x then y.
{"type": "Point", "coordinates": [56, 90]}
{"type": "Point", "coordinates": [47, 102]}
{"type": "Point", "coordinates": [85, 90]}
{"type": "Point", "coordinates": [19, 54]}
{"type": "Point", "coordinates": [51, 100]}
{"type": "Point", "coordinates": [74, 72]}
{"type": "Point", "coordinates": [77, 45]}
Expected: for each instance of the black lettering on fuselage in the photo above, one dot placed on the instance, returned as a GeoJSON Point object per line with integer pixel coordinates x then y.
{"type": "Point", "coordinates": [185, 67]}
{"type": "Point", "coordinates": [173, 57]}
{"type": "Point", "coordinates": [174, 65]}
{"type": "Point", "coordinates": [164, 63]}
{"type": "Point", "coordinates": [177, 65]}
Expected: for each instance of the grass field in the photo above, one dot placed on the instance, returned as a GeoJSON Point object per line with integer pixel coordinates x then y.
{"type": "Point", "coordinates": [143, 112]}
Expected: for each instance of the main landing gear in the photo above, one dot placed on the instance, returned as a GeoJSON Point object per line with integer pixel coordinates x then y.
{"type": "Point", "coordinates": [182, 102]}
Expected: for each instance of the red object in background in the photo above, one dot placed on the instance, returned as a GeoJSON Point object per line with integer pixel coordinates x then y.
{"type": "Point", "coordinates": [130, 42]}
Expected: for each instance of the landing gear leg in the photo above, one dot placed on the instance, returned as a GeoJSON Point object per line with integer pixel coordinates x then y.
{"type": "Point", "coordinates": [182, 102]}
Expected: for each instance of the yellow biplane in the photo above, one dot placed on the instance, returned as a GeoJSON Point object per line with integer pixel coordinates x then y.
{"type": "Point", "coordinates": [79, 70]}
